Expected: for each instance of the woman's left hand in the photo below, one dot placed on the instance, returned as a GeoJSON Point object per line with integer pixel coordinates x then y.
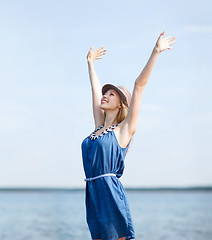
{"type": "Point", "coordinates": [164, 43]}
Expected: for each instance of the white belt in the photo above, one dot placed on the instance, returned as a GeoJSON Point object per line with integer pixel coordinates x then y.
{"type": "Point", "coordinates": [100, 176]}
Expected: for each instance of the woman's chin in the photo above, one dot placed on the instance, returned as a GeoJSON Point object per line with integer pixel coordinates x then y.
{"type": "Point", "coordinates": [102, 107]}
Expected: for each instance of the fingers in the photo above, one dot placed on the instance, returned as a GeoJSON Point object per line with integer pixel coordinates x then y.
{"type": "Point", "coordinates": [172, 42]}
{"type": "Point", "coordinates": [97, 53]}
{"type": "Point", "coordinates": [100, 52]}
{"type": "Point", "coordinates": [171, 38]}
{"type": "Point", "coordinates": [100, 56]}
{"type": "Point", "coordinates": [99, 48]}
{"type": "Point", "coordinates": [162, 34]}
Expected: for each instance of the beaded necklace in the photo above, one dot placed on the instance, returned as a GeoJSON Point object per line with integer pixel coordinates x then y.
{"type": "Point", "coordinates": [109, 129]}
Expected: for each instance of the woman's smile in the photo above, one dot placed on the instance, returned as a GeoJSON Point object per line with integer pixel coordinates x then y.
{"type": "Point", "coordinates": [104, 100]}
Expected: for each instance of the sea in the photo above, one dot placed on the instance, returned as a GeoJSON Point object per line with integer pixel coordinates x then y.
{"type": "Point", "coordinates": [60, 215]}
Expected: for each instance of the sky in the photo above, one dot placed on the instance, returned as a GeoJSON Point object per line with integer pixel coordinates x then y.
{"type": "Point", "coordinates": [45, 96]}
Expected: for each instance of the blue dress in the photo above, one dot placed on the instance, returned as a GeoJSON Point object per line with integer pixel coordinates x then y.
{"type": "Point", "coordinates": [107, 210]}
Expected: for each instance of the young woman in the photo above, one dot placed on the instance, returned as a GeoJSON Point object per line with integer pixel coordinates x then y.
{"type": "Point", "coordinates": [103, 152]}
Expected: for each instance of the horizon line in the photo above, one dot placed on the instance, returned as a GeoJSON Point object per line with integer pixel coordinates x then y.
{"type": "Point", "coordinates": [158, 188]}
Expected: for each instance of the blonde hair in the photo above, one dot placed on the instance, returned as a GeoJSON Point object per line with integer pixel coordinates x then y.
{"type": "Point", "coordinates": [121, 114]}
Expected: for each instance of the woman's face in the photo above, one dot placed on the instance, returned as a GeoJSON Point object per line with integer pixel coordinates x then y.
{"type": "Point", "coordinates": [110, 100]}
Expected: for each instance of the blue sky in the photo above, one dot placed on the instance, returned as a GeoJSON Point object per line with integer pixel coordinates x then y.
{"type": "Point", "coordinates": [45, 97]}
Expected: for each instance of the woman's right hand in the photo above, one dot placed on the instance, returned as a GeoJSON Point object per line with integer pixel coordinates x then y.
{"type": "Point", "coordinates": [96, 54]}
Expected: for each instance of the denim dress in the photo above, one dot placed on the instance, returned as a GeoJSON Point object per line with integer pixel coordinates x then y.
{"type": "Point", "coordinates": [107, 209]}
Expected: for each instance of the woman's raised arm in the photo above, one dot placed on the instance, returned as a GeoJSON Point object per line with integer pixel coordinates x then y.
{"type": "Point", "coordinates": [96, 88]}
{"type": "Point", "coordinates": [130, 123]}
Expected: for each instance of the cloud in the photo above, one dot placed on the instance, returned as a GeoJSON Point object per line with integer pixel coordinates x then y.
{"type": "Point", "coordinates": [198, 29]}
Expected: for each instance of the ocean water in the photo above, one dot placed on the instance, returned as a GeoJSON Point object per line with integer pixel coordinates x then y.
{"type": "Point", "coordinates": [59, 215]}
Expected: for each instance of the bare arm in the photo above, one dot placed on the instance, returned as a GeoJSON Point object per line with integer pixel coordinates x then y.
{"type": "Point", "coordinates": [95, 85]}
{"type": "Point", "coordinates": [129, 125]}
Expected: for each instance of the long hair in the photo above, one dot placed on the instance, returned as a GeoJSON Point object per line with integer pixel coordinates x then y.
{"type": "Point", "coordinates": [121, 114]}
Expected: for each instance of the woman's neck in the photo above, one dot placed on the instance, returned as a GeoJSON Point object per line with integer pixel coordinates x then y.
{"type": "Point", "coordinates": [110, 119]}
